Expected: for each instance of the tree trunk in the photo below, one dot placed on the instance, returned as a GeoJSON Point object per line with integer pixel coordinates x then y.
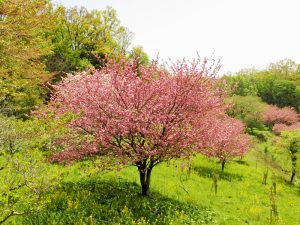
{"type": "Point", "coordinates": [293, 175]}
{"type": "Point", "coordinates": [145, 174]}
{"type": "Point", "coordinates": [223, 165]}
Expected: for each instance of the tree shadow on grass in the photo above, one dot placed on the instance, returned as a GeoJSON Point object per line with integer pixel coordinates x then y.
{"type": "Point", "coordinates": [242, 162]}
{"type": "Point", "coordinates": [209, 173]}
{"type": "Point", "coordinates": [115, 202]}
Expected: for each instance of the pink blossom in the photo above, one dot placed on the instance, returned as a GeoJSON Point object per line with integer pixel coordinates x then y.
{"type": "Point", "coordinates": [274, 115]}
{"type": "Point", "coordinates": [160, 114]}
{"type": "Point", "coordinates": [278, 128]}
{"type": "Point", "coordinates": [226, 138]}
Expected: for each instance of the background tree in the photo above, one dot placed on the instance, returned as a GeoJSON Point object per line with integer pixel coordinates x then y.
{"type": "Point", "coordinates": [248, 109]}
{"type": "Point", "coordinates": [84, 37]}
{"type": "Point", "coordinates": [138, 57]}
{"type": "Point", "coordinates": [24, 40]}
{"type": "Point", "coordinates": [227, 139]}
{"type": "Point", "coordinates": [291, 141]}
{"type": "Point", "coordinates": [278, 92]}
{"type": "Point", "coordinates": [274, 115]}
{"type": "Point", "coordinates": [285, 68]}
{"type": "Point", "coordinates": [276, 85]}
{"type": "Point", "coordinates": [243, 82]}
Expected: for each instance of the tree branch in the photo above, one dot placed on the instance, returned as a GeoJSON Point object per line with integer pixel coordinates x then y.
{"type": "Point", "coordinates": [12, 213]}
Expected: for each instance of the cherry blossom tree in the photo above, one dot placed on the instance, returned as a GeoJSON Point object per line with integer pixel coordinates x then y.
{"type": "Point", "coordinates": [274, 115]}
{"type": "Point", "coordinates": [281, 119]}
{"type": "Point", "coordinates": [142, 119]}
{"type": "Point", "coordinates": [226, 139]}
{"type": "Point", "coordinates": [280, 127]}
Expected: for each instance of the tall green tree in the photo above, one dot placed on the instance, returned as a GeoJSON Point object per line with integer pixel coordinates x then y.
{"type": "Point", "coordinates": [25, 27]}
{"type": "Point", "coordinates": [285, 68]}
{"type": "Point", "coordinates": [83, 37]}
{"type": "Point", "coordinates": [279, 84]}
{"type": "Point", "coordinates": [280, 92]}
{"type": "Point", "coordinates": [243, 82]}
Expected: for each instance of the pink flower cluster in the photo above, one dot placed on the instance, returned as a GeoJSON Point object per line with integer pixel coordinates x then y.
{"type": "Point", "coordinates": [226, 138]}
{"type": "Point", "coordinates": [274, 115]}
{"type": "Point", "coordinates": [281, 119]}
{"type": "Point", "coordinates": [280, 127]}
{"type": "Point", "coordinates": [158, 113]}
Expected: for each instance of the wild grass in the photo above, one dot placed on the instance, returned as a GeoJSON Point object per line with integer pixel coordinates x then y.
{"type": "Point", "coordinates": [176, 196]}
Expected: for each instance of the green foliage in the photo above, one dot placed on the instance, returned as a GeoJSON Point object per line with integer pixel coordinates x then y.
{"type": "Point", "coordinates": [291, 141]}
{"type": "Point", "coordinates": [279, 92]}
{"type": "Point", "coordinates": [243, 82]}
{"type": "Point", "coordinates": [24, 177]}
{"type": "Point", "coordinates": [286, 69]}
{"type": "Point", "coordinates": [111, 197]}
{"type": "Point", "coordinates": [285, 94]}
{"type": "Point", "coordinates": [262, 135]}
{"type": "Point", "coordinates": [83, 37]}
{"type": "Point", "coordinates": [248, 109]}
{"type": "Point", "coordinates": [139, 56]}
{"type": "Point", "coordinates": [277, 85]}
{"type": "Point", "coordinates": [24, 40]}
{"type": "Point", "coordinates": [38, 43]}
{"type": "Point", "coordinates": [297, 93]}
{"type": "Point", "coordinates": [282, 152]}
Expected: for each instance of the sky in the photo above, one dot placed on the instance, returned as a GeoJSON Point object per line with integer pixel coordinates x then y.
{"type": "Point", "coordinates": [241, 33]}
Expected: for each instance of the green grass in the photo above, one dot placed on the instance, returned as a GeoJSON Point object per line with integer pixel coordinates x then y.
{"type": "Point", "coordinates": [176, 197]}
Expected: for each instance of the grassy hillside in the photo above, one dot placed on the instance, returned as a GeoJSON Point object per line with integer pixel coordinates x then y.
{"type": "Point", "coordinates": [177, 197]}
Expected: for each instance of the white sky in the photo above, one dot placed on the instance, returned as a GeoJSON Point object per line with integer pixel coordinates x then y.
{"type": "Point", "coordinates": [242, 33]}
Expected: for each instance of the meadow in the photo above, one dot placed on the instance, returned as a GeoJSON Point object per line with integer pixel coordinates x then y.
{"type": "Point", "coordinates": [177, 195]}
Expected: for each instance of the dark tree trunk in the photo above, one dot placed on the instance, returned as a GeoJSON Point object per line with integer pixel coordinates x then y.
{"type": "Point", "coordinates": [223, 165]}
{"type": "Point", "coordinates": [293, 175]}
{"type": "Point", "coordinates": [145, 175]}
{"type": "Point", "coordinates": [145, 168]}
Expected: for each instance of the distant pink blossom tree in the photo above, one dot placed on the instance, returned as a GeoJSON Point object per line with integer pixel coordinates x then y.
{"type": "Point", "coordinates": [226, 139]}
{"type": "Point", "coordinates": [279, 128]}
{"type": "Point", "coordinates": [281, 119]}
{"type": "Point", "coordinates": [274, 115]}
{"type": "Point", "coordinates": [146, 118]}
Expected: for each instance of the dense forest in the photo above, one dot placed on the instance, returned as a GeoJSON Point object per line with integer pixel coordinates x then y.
{"type": "Point", "coordinates": [87, 121]}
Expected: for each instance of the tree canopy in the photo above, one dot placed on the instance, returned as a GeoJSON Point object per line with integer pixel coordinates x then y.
{"type": "Point", "coordinates": [143, 118]}
{"type": "Point", "coordinates": [39, 43]}
{"type": "Point", "coordinates": [276, 85]}
{"type": "Point", "coordinates": [83, 37]}
{"type": "Point", "coordinates": [24, 40]}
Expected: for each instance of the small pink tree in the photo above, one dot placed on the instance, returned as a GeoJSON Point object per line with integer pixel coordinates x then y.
{"type": "Point", "coordinates": [141, 119]}
{"type": "Point", "coordinates": [226, 139]}
{"type": "Point", "coordinates": [274, 115]}
{"type": "Point", "coordinates": [281, 119]}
